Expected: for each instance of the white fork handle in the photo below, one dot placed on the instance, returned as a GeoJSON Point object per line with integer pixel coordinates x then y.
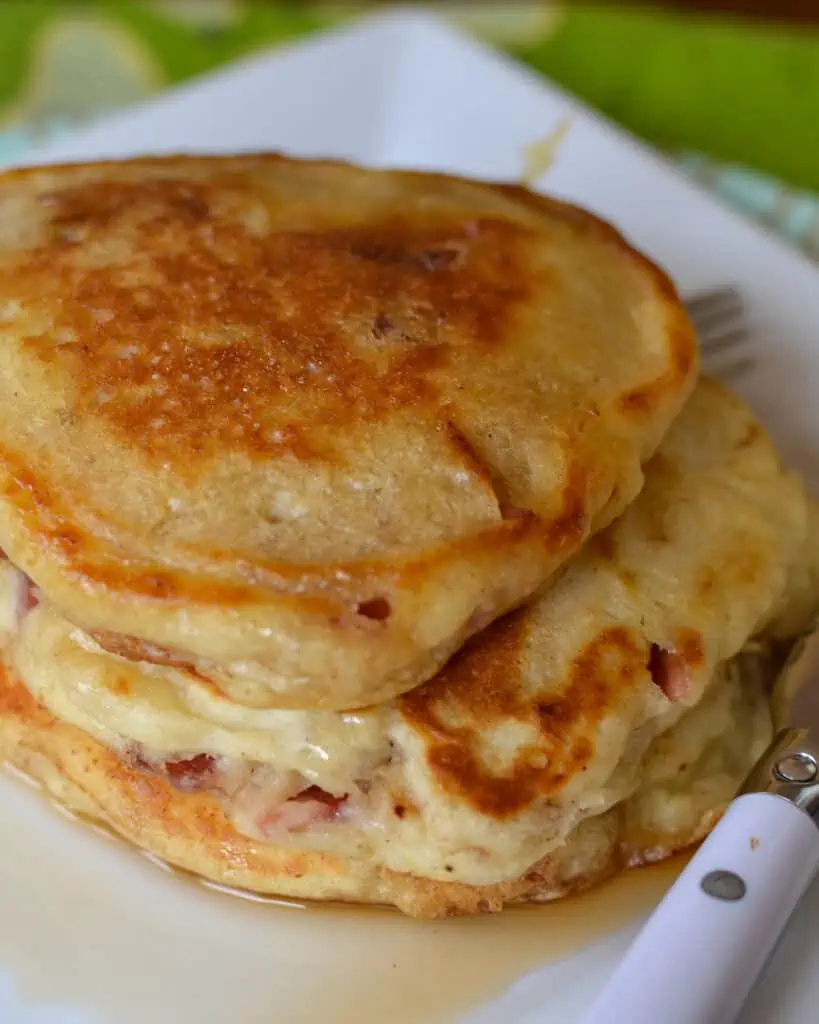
{"type": "Point", "coordinates": [698, 955]}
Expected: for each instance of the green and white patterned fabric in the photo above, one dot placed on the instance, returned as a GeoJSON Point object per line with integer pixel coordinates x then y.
{"type": "Point", "coordinates": [736, 103]}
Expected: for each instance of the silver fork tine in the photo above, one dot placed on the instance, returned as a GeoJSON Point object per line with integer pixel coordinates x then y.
{"type": "Point", "coordinates": [714, 297]}
{"type": "Point", "coordinates": [715, 341]}
{"type": "Point", "coordinates": [718, 318]}
{"type": "Point", "coordinates": [708, 309]}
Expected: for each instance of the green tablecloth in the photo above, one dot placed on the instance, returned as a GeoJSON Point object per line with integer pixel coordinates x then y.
{"type": "Point", "coordinates": [723, 97]}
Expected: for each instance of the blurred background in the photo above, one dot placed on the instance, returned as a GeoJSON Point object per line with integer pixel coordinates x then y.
{"type": "Point", "coordinates": [729, 89]}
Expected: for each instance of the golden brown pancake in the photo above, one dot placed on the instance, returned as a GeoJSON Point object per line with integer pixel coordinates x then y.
{"type": "Point", "coordinates": [303, 428]}
{"type": "Point", "coordinates": [688, 777]}
{"type": "Point", "coordinates": [531, 739]}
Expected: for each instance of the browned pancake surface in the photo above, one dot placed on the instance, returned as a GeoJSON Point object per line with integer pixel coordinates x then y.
{"type": "Point", "coordinates": [305, 427]}
{"type": "Point", "coordinates": [190, 831]}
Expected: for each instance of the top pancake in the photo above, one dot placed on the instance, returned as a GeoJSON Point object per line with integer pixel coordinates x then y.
{"type": "Point", "coordinates": [304, 427]}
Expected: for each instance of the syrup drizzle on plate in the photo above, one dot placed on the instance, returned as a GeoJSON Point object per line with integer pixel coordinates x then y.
{"type": "Point", "coordinates": [92, 926]}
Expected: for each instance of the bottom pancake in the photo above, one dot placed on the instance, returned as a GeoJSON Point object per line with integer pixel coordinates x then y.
{"type": "Point", "coordinates": [688, 776]}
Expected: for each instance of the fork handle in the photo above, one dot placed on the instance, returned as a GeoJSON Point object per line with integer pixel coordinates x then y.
{"type": "Point", "coordinates": [698, 955]}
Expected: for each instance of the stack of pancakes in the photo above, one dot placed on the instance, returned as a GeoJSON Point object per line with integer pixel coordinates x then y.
{"type": "Point", "coordinates": [369, 535]}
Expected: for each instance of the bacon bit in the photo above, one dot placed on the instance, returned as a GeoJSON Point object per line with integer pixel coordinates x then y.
{"type": "Point", "coordinates": [297, 813]}
{"type": "Point", "coordinates": [514, 511]}
{"type": "Point", "coordinates": [378, 609]}
{"type": "Point", "coordinates": [321, 795]}
{"type": "Point", "coordinates": [382, 325]}
{"type": "Point", "coordinates": [30, 595]}
{"type": "Point", "coordinates": [669, 671]}
{"type": "Point", "coordinates": [188, 775]}
{"type": "Point", "coordinates": [133, 649]}
{"type": "Point", "coordinates": [3, 556]}
{"type": "Point", "coordinates": [306, 809]}
{"type": "Point", "coordinates": [191, 774]}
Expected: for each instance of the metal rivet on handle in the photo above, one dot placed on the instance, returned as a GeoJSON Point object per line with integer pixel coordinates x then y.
{"type": "Point", "coordinates": [723, 885]}
{"type": "Point", "coordinates": [799, 769]}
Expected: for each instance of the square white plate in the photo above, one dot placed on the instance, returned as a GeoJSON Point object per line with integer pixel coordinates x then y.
{"type": "Point", "coordinates": [89, 933]}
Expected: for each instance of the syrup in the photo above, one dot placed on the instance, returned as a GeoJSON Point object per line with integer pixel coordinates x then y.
{"type": "Point", "coordinates": [93, 926]}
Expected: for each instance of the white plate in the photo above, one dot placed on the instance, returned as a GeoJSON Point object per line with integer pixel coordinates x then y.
{"type": "Point", "coordinates": [91, 933]}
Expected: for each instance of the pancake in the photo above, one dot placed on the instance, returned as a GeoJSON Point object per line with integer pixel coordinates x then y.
{"type": "Point", "coordinates": [539, 726]}
{"type": "Point", "coordinates": [688, 777]}
{"type": "Point", "coordinates": [303, 428]}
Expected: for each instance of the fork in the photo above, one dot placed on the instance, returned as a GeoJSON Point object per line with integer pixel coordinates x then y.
{"type": "Point", "coordinates": [718, 317]}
